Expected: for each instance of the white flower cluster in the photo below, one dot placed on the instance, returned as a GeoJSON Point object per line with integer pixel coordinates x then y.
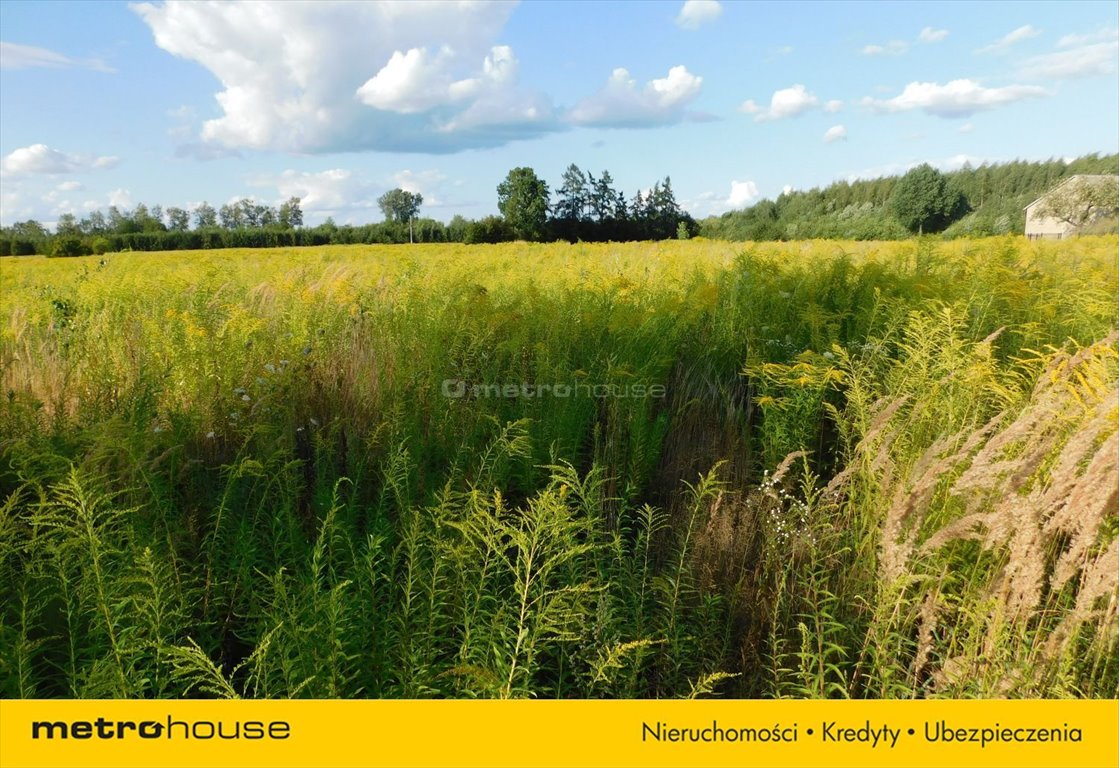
{"type": "Point", "coordinates": [785, 513]}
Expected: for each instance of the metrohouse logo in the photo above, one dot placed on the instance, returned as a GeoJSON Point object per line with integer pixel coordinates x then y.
{"type": "Point", "coordinates": [104, 729]}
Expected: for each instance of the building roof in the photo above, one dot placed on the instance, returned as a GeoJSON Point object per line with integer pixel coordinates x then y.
{"type": "Point", "coordinates": [1068, 180]}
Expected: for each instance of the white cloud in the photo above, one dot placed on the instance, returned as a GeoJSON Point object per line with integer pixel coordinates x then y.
{"type": "Point", "coordinates": [398, 75]}
{"type": "Point", "coordinates": [892, 48]}
{"type": "Point", "coordinates": [497, 102]}
{"type": "Point", "coordinates": [786, 189]}
{"type": "Point", "coordinates": [1010, 38]}
{"type": "Point", "coordinates": [15, 56]}
{"type": "Point", "coordinates": [695, 13]}
{"type": "Point", "coordinates": [833, 106]}
{"type": "Point", "coordinates": [1082, 61]}
{"type": "Point", "coordinates": [835, 133]}
{"type": "Point", "coordinates": [41, 159]}
{"type": "Point", "coordinates": [411, 82]}
{"type": "Point", "coordinates": [621, 103]}
{"type": "Point", "coordinates": [966, 128]}
{"type": "Point", "coordinates": [418, 81]}
{"type": "Point", "coordinates": [742, 193]}
{"type": "Point", "coordinates": [957, 98]}
{"type": "Point", "coordinates": [705, 204]}
{"type": "Point", "coordinates": [787, 102]}
{"type": "Point", "coordinates": [347, 195]}
{"type": "Point", "coordinates": [121, 198]}
{"type": "Point", "coordinates": [899, 47]}
{"type": "Point", "coordinates": [328, 192]}
{"type": "Point", "coordinates": [953, 163]}
{"type": "Point", "coordinates": [14, 206]}
{"type": "Point", "coordinates": [426, 183]}
{"type": "Point", "coordinates": [422, 182]}
{"type": "Point", "coordinates": [1101, 35]}
{"type": "Point", "coordinates": [956, 162]}
{"type": "Point", "coordinates": [20, 203]}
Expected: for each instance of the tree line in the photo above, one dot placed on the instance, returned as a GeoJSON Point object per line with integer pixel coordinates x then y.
{"type": "Point", "coordinates": [970, 202]}
{"type": "Point", "coordinates": [987, 200]}
{"type": "Point", "coordinates": [585, 208]}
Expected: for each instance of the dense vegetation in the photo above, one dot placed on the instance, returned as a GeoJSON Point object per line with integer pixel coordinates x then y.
{"type": "Point", "coordinates": [875, 471]}
{"type": "Point", "coordinates": [975, 202]}
{"type": "Point", "coordinates": [988, 200]}
{"type": "Point", "coordinates": [586, 208]}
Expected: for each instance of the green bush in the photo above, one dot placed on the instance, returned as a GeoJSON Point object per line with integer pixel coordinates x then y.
{"type": "Point", "coordinates": [68, 246]}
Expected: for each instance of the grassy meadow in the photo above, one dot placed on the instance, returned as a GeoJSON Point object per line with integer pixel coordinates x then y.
{"type": "Point", "coordinates": [805, 469]}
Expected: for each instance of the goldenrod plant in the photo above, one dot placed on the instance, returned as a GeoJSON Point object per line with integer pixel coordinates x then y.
{"type": "Point", "coordinates": [676, 469]}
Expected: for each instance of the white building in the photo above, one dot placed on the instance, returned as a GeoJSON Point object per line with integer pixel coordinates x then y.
{"type": "Point", "coordinates": [1041, 227]}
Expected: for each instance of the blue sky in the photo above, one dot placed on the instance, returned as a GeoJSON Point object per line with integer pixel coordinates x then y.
{"type": "Point", "coordinates": [173, 103]}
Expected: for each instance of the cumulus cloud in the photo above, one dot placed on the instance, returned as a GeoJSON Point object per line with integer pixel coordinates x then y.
{"type": "Point", "coordinates": [957, 98]}
{"type": "Point", "coordinates": [40, 159]}
{"type": "Point", "coordinates": [15, 56]}
{"type": "Point", "coordinates": [621, 103]}
{"type": "Point", "coordinates": [1005, 42]}
{"type": "Point", "coordinates": [334, 76]}
{"type": "Point", "coordinates": [1081, 61]}
{"type": "Point", "coordinates": [930, 35]}
{"type": "Point", "coordinates": [835, 133]}
{"type": "Point", "coordinates": [328, 192]}
{"type": "Point", "coordinates": [695, 13]}
{"type": "Point", "coordinates": [27, 198]}
{"type": "Point", "coordinates": [742, 193]}
{"type": "Point", "coordinates": [833, 106]}
{"type": "Point", "coordinates": [411, 82]}
{"type": "Point", "coordinates": [787, 102]}
{"type": "Point", "coordinates": [966, 128]}
{"type": "Point", "coordinates": [418, 81]}
{"type": "Point", "coordinates": [498, 105]}
{"type": "Point", "coordinates": [121, 198]}
{"type": "Point", "coordinates": [347, 195]}
{"type": "Point", "coordinates": [427, 183]}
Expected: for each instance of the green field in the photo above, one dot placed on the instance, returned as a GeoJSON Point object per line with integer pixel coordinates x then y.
{"type": "Point", "coordinates": [805, 469]}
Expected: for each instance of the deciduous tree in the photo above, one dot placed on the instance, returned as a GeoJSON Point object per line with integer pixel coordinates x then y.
{"type": "Point", "coordinates": [291, 213]}
{"type": "Point", "coordinates": [178, 220]}
{"type": "Point", "coordinates": [1080, 201]}
{"type": "Point", "coordinates": [523, 200]}
{"type": "Point", "coordinates": [925, 201]}
{"type": "Point", "coordinates": [205, 217]}
{"type": "Point", "coordinates": [401, 205]}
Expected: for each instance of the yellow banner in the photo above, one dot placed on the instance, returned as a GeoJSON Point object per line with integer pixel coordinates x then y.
{"type": "Point", "coordinates": [526, 734]}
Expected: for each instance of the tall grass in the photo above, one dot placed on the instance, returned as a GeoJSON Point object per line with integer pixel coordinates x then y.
{"type": "Point", "coordinates": [878, 470]}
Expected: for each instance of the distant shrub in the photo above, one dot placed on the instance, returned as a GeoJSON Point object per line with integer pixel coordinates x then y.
{"type": "Point", "coordinates": [491, 229]}
{"type": "Point", "coordinates": [68, 246]}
